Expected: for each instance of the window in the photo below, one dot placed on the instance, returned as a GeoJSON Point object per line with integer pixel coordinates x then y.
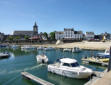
{"type": "Point", "coordinates": [74, 64]}
{"type": "Point", "coordinates": [66, 64]}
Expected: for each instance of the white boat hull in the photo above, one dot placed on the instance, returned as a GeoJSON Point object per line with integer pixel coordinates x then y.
{"type": "Point", "coordinates": [4, 55]}
{"type": "Point", "coordinates": [70, 74]}
{"type": "Point", "coordinates": [67, 50]}
{"type": "Point", "coordinates": [76, 50]}
{"type": "Point", "coordinates": [41, 59]}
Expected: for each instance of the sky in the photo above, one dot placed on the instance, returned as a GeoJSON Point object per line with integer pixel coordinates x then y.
{"type": "Point", "coordinates": [55, 15]}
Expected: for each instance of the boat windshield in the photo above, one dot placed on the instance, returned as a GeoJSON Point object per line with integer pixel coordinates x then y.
{"type": "Point", "coordinates": [74, 64]}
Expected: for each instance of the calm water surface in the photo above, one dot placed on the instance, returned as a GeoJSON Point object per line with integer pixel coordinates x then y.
{"type": "Point", "coordinates": [20, 61]}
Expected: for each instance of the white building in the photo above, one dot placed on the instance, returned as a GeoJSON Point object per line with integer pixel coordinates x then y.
{"type": "Point", "coordinates": [69, 34]}
{"type": "Point", "coordinates": [59, 35]}
{"type": "Point", "coordinates": [89, 35]}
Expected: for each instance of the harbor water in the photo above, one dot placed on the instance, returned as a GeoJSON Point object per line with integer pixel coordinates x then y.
{"type": "Point", "coordinates": [19, 61]}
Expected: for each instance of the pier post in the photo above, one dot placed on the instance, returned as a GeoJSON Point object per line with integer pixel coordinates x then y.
{"type": "Point", "coordinates": [109, 64]}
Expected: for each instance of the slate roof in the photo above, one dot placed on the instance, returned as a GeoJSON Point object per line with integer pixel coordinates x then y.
{"type": "Point", "coordinates": [23, 33]}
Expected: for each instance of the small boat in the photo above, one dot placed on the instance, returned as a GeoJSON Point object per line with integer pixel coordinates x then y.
{"type": "Point", "coordinates": [4, 46]}
{"type": "Point", "coordinates": [105, 54]}
{"type": "Point", "coordinates": [76, 49]}
{"type": "Point", "coordinates": [70, 68]}
{"type": "Point", "coordinates": [14, 47]}
{"type": "Point", "coordinates": [67, 50]}
{"type": "Point", "coordinates": [28, 48]}
{"type": "Point", "coordinates": [100, 57]}
{"type": "Point", "coordinates": [95, 59]}
{"type": "Point", "coordinates": [42, 58]}
{"type": "Point", "coordinates": [4, 55]}
{"type": "Point", "coordinates": [40, 48]}
{"type": "Point", "coordinates": [49, 48]}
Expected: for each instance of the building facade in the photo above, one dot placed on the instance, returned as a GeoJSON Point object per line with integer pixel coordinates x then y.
{"type": "Point", "coordinates": [69, 34]}
{"type": "Point", "coordinates": [59, 35]}
{"type": "Point", "coordinates": [28, 33]}
{"type": "Point", "coordinates": [89, 35]}
{"type": "Point", "coordinates": [1, 36]}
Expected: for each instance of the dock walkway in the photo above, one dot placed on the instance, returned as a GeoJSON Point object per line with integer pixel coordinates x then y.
{"type": "Point", "coordinates": [98, 76]}
{"type": "Point", "coordinates": [105, 80]}
{"type": "Point", "coordinates": [36, 79]}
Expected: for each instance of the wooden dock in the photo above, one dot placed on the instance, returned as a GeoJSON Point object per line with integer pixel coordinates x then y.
{"type": "Point", "coordinates": [36, 79]}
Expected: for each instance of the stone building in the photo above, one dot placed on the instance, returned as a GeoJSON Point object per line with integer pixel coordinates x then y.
{"type": "Point", "coordinates": [34, 32]}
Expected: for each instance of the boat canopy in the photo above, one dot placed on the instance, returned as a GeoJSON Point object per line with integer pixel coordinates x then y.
{"type": "Point", "coordinates": [67, 60]}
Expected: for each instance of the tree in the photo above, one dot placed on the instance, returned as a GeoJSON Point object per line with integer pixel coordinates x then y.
{"type": "Point", "coordinates": [17, 38]}
{"type": "Point", "coordinates": [52, 35]}
{"type": "Point", "coordinates": [10, 38]}
{"type": "Point", "coordinates": [45, 34]}
{"type": "Point", "coordinates": [26, 37]}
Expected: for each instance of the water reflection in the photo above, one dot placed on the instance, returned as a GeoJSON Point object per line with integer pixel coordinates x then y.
{"type": "Point", "coordinates": [60, 80]}
{"type": "Point", "coordinates": [12, 56]}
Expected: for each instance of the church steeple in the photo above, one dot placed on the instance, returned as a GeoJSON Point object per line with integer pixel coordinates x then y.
{"type": "Point", "coordinates": [35, 29]}
{"type": "Point", "coordinates": [35, 24]}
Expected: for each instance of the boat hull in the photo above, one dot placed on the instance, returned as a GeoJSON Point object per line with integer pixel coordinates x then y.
{"type": "Point", "coordinates": [95, 59]}
{"type": "Point", "coordinates": [41, 59]}
{"type": "Point", "coordinates": [70, 74]}
{"type": "Point", "coordinates": [4, 55]}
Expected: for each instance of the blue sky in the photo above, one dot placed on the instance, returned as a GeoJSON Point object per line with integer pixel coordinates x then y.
{"type": "Point", "coordinates": [51, 15]}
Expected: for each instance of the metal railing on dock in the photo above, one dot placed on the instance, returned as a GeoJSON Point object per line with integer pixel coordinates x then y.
{"type": "Point", "coordinates": [36, 79]}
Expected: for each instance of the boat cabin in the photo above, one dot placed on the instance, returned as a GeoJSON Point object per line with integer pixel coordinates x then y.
{"type": "Point", "coordinates": [68, 62]}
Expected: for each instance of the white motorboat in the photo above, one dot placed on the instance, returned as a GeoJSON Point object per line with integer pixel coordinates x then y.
{"type": "Point", "coordinates": [76, 49]}
{"type": "Point", "coordinates": [4, 55]}
{"type": "Point", "coordinates": [42, 58]}
{"type": "Point", "coordinates": [67, 49]}
{"type": "Point", "coordinates": [70, 68]}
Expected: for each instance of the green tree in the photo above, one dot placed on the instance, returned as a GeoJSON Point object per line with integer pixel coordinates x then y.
{"type": "Point", "coordinates": [45, 34]}
{"type": "Point", "coordinates": [17, 37]}
{"type": "Point", "coordinates": [26, 37]}
{"type": "Point", "coordinates": [10, 38]}
{"type": "Point", "coordinates": [52, 35]}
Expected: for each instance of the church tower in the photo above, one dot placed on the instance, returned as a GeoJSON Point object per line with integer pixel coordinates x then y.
{"type": "Point", "coordinates": [35, 29]}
